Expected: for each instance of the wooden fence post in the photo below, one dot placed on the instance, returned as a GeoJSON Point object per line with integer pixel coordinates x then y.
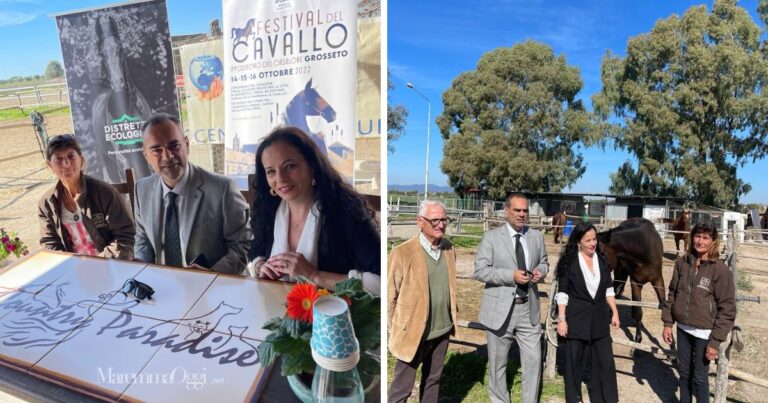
{"type": "Point", "coordinates": [723, 365]}
{"type": "Point", "coordinates": [549, 370]}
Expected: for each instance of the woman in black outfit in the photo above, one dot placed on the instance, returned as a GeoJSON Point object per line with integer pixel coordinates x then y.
{"type": "Point", "coordinates": [306, 221]}
{"type": "Point", "coordinates": [586, 307]}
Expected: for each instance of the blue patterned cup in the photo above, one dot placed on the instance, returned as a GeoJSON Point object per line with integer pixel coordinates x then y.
{"type": "Point", "coordinates": [334, 345]}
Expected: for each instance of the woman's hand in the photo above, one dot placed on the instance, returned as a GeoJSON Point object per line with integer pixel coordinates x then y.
{"type": "Point", "coordinates": [615, 320]}
{"type": "Point", "coordinates": [269, 272]}
{"type": "Point", "coordinates": [711, 353]}
{"type": "Point", "coordinates": [293, 264]}
{"type": "Point", "coordinates": [667, 335]}
{"type": "Point", "coordinates": [562, 328]}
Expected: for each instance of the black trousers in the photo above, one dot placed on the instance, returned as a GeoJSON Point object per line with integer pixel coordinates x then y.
{"type": "Point", "coordinates": [590, 361]}
{"type": "Point", "coordinates": [693, 367]}
{"type": "Point", "coordinates": [431, 356]}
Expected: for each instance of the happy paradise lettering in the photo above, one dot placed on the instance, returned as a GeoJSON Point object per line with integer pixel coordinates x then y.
{"type": "Point", "coordinates": [45, 323]}
{"type": "Point", "coordinates": [151, 337]}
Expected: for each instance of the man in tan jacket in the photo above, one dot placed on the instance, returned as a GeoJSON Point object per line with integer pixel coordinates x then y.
{"type": "Point", "coordinates": [421, 304]}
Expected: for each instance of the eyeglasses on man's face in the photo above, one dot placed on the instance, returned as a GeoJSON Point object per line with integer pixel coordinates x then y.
{"type": "Point", "coordinates": [434, 221]}
{"type": "Point", "coordinates": [140, 290]}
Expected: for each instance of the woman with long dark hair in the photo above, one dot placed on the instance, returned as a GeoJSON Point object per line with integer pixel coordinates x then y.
{"type": "Point", "coordinates": [702, 302]}
{"type": "Point", "coordinates": [306, 221]}
{"type": "Point", "coordinates": [586, 307]}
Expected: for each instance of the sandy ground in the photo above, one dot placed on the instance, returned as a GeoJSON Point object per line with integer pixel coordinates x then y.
{"type": "Point", "coordinates": [24, 176]}
{"type": "Point", "coordinates": [643, 377]}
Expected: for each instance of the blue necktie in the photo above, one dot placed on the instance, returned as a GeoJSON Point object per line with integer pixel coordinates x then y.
{"type": "Point", "coordinates": [172, 241]}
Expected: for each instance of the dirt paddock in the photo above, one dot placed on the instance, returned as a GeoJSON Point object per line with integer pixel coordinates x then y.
{"type": "Point", "coordinates": [643, 377]}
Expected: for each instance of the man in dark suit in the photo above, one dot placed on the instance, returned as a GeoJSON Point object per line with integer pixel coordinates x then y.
{"type": "Point", "coordinates": [510, 260]}
{"type": "Point", "coordinates": [185, 215]}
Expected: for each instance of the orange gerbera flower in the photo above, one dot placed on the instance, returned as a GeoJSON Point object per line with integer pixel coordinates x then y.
{"type": "Point", "coordinates": [299, 301]}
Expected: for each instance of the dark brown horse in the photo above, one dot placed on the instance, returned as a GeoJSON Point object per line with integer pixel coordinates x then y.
{"type": "Point", "coordinates": [634, 250]}
{"type": "Point", "coordinates": [558, 224]}
{"type": "Point", "coordinates": [682, 224]}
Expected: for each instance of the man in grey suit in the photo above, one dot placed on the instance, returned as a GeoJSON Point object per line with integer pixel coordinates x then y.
{"type": "Point", "coordinates": [186, 216]}
{"type": "Point", "coordinates": [510, 261]}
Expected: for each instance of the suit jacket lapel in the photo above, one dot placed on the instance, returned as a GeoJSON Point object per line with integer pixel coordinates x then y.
{"type": "Point", "coordinates": [156, 206]}
{"type": "Point", "coordinates": [507, 241]}
{"type": "Point", "coordinates": [196, 191]}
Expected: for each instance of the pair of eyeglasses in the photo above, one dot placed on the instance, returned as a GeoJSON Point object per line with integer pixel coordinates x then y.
{"type": "Point", "coordinates": [434, 221]}
{"type": "Point", "coordinates": [140, 290]}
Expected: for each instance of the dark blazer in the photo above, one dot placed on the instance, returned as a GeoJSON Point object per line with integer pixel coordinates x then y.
{"type": "Point", "coordinates": [357, 247]}
{"type": "Point", "coordinates": [587, 318]}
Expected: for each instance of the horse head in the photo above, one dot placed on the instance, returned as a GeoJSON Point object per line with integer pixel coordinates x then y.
{"type": "Point", "coordinates": [316, 105]}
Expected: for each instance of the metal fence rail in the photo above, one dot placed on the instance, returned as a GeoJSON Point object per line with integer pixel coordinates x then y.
{"type": "Point", "coordinates": [36, 95]}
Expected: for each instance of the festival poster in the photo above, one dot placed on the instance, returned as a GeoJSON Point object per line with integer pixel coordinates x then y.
{"type": "Point", "coordinates": [119, 70]}
{"type": "Point", "coordinates": [290, 63]}
{"type": "Point", "coordinates": [203, 69]}
{"type": "Point", "coordinates": [368, 141]}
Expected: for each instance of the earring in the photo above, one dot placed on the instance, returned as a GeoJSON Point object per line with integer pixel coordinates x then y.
{"type": "Point", "coordinates": [313, 182]}
{"type": "Point", "coordinates": [272, 192]}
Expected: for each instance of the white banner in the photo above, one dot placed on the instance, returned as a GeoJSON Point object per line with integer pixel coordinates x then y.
{"type": "Point", "coordinates": [290, 63]}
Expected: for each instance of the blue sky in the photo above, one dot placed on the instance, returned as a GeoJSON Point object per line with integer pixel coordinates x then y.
{"type": "Point", "coordinates": [431, 42]}
{"type": "Point", "coordinates": [29, 39]}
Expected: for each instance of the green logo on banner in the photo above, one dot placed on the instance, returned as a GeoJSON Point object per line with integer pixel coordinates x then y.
{"type": "Point", "coordinates": [134, 141]}
{"type": "Point", "coordinates": [126, 118]}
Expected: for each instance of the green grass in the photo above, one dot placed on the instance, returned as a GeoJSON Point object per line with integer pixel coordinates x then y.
{"type": "Point", "coordinates": [47, 110]}
{"type": "Point", "coordinates": [26, 83]}
{"type": "Point", "coordinates": [464, 242]}
{"type": "Point", "coordinates": [465, 378]}
{"type": "Point", "coordinates": [743, 283]}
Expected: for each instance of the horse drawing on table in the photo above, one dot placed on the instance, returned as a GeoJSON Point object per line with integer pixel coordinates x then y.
{"type": "Point", "coordinates": [308, 102]}
{"type": "Point", "coordinates": [243, 33]}
{"type": "Point", "coordinates": [558, 224]}
{"type": "Point", "coordinates": [634, 250]}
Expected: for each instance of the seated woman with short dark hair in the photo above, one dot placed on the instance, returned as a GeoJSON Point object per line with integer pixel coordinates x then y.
{"type": "Point", "coordinates": [81, 214]}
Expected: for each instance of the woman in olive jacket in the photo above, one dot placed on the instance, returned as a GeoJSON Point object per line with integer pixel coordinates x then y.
{"type": "Point", "coordinates": [702, 302]}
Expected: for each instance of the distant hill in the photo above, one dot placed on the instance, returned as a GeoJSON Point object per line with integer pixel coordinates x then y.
{"type": "Point", "coordinates": [420, 188]}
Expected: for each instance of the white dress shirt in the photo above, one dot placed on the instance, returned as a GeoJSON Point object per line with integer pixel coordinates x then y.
{"type": "Point", "coordinates": [432, 250]}
{"type": "Point", "coordinates": [591, 278]}
{"type": "Point", "coordinates": [513, 234]}
{"type": "Point", "coordinates": [183, 203]}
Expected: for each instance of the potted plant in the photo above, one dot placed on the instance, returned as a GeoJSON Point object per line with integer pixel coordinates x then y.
{"type": "Point", "coordinates": [11, 244]}
{"type": "Point", "coordinates": [290, 335]}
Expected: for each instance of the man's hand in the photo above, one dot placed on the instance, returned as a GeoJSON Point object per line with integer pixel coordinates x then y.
{"type": "Point", "coordinates": [667, 335]}
{"type": "Point", "coordinates": [522, 277]}
{"type": "Point", "coordinates": [536, 276]}
{"type": "Point", "coordinates": [197, 267]}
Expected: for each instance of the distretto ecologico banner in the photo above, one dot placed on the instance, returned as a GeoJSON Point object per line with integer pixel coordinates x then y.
{"type": "Point", "coordinates": [119, 69]}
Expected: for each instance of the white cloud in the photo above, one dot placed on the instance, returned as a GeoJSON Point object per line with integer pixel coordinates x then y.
{"type": "Point", "coordinates": [11, 18]}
